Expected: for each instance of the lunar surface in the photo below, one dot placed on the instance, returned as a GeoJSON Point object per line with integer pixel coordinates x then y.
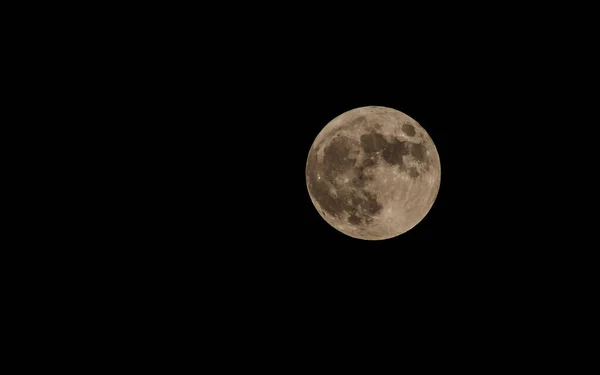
{"type": "Point", "coordinates": [373, 173]}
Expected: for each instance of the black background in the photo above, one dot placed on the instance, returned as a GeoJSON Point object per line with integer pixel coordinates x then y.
{"type": "Point", "coordinates": [236, 133]}
{"type": "Point", "coordinates": [194, 219]}
{"type": "Point", "coordinates": [231, 117]}
{"type": "Point", "coordinates": [202, 128]}
{"type": "Point", "coordinates": [231, 222]}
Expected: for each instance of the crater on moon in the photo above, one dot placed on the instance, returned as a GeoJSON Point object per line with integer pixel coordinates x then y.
{"type": "Point", "coordinates": [409, 129]}
{"type": "Point", "coordinates": [369, 179]}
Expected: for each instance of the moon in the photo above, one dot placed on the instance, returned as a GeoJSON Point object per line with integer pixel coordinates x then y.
{"type": "Point", "coordinates": [373, 173]}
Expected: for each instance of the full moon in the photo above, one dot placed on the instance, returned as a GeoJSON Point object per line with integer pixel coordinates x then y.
{"type": "Point", "coordinates": [373, 173]}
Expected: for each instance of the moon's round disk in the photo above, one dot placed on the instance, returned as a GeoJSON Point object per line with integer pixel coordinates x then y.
{"type": "Point", "coordinates": [373, 173]}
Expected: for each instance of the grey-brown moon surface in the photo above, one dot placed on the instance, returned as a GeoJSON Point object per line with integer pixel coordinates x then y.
{"type": "Point", "coordinates": [373, 173]}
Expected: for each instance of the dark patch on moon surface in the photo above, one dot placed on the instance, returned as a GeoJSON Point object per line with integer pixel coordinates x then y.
{"type": "Point", "coordinates": [412, 172]}
{"type": "Point", "coordinates": [391, 151]}
{"type": "Point", "coordinates": [409, 130]}
{"type": "Point", "coordinates": [354, 220]}
{"type": "Point", "coordinates": [370, 205]}
{"type": "Point", "coordinates": [329, 203]}
{"type": "Point", "coordinates": [417, 150]}
{"type": "Point", "coordinates": [337, 158]}
{"type": "Point", "coordinates": [360, 179]}
{"type": "Point", "coordinates": [372, 142]}
{"type": "Point", "coordinates": [370, 161]}
{"type": "Point", "coordinates": [350, 198]}
{"type": "Point", "coordinates": [394, 152]}
{"type": "Point", "coordinates": [362, 176]}
{"type": "Point", "coordinates": [355, 199]}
